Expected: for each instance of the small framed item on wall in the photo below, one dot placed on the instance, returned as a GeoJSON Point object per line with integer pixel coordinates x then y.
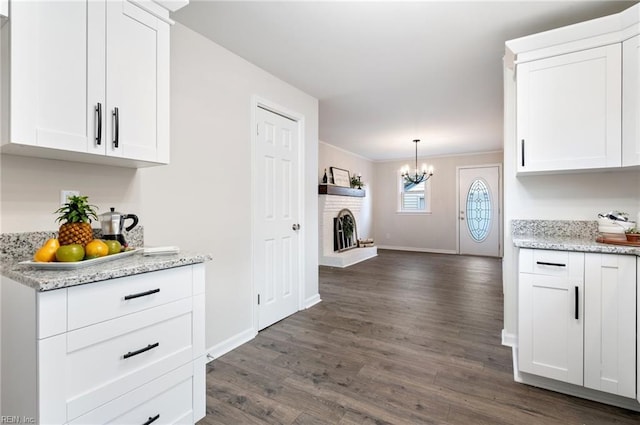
{"type": "Point", "coordinates": [340, 177]}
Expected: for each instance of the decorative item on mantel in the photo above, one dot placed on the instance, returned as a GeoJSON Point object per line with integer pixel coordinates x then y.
{"type": "Point", "coordinates": [340, 177]}
{"type": "Point", "coordinates": [356, 181]}
{"type": "Point", "coordinates": [418, 176]}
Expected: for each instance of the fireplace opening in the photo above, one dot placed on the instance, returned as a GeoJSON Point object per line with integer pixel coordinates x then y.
{"type": "Point", "coordinates": [345, 233]}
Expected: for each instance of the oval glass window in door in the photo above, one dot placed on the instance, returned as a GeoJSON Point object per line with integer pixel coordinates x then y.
{"type": "Point", "coordinates": [479, 210]}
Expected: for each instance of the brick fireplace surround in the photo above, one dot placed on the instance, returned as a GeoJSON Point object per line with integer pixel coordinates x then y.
{"type": "Point", "coordinates": [328, 208]}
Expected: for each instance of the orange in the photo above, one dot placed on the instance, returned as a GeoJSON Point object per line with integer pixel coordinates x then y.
{"type": "Point", "coordinates": [96, 248]}
{"type": "Point", "coordinates": [47, 253]}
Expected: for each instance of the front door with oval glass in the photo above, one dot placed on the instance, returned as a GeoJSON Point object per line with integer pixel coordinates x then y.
{"type": "Point", "coordinates": [479, 213]}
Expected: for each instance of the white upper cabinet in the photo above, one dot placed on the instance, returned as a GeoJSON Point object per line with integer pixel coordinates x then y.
{"type": "Point", "coordinates": [49, 81]}
{"type": "Point", "coordinates": [578, 96]}
{"type": "Point", "coordinates": [89, 81]}
{"type": "Point", "coordinates": [137, 84]}
{"type": "Point", "coordinates": [631, 102]}
{"type": "Point", "coordinates": [569, 111]}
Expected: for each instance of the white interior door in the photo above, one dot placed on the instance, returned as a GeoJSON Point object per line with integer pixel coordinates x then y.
{"type": "Point", "coordinates": [479, 217]}
{"type": "Point", "coordinates": [276, 217]}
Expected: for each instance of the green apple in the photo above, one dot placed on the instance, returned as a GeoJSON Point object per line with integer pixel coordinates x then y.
{"type": "Point", "coordinates": [114, 246]}
{"type": "Point", "coordinates": [68, 253]}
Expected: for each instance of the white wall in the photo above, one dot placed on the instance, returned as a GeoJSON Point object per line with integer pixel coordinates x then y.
{"type": "Point", "coordinates": [332, 156]}
{"type": "Point", "coordinates": [435, 232]}
{"type": "Point", "coordinates": [578, 196]}
{"type": "Point", "coordinates": [30, 189]}
{"type": "Point", "coordinates": [202, 200]}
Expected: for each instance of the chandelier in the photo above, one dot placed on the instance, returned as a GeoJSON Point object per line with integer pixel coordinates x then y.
{"type": "Point", "coordinates": [418, 176]}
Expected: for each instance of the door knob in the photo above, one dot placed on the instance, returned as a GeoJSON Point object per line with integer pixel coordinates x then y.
{"type": "Point", "coordinates": [296, 226]}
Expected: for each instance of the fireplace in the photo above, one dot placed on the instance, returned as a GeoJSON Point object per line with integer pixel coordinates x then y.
{"type": "Point", "coordinates": [345, 233]}
{"type": "Point", "coordinates": [330, 209]}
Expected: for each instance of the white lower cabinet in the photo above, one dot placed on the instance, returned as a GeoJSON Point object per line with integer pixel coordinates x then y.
{"type": "Point", "coordinates": [610, 324]}
{"type": "Point", "coordinates": [126, 350]}
{"type": "Point", "coordinates": [550, 311]}
{"type": "Point", "coordinates": [577, 319]}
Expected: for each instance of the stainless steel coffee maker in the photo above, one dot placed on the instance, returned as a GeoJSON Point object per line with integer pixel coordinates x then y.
{"type": "Point", "coordinates": [112, 224]}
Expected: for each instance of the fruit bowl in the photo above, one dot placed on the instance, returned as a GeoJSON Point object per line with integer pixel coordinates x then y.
{"type": "Point", "coordinates": [72, 265]}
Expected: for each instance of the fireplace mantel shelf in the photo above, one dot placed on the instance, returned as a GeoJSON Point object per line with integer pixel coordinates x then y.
{"type": "Point", "coordinates": [328, 189]}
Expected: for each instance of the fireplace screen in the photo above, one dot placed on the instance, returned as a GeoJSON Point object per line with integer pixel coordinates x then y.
{"type": "Point", "coordinates": [345, 233]}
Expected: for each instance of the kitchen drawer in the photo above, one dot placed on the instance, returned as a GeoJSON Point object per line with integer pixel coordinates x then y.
{"type": "Point", "coordinates": [108, 359]}
{"type": "Point", "coordinates": [168, 397]}
{"type": "Point", "coordinates": [89, 304]}
{"type": "Point", "coordinates": [551, 263]}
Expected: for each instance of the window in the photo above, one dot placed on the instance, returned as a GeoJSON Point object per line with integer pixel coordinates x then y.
{"type": "Point", "coordinates": [479, 210]}
{"type": "Point", "coordinates": [414, 198]}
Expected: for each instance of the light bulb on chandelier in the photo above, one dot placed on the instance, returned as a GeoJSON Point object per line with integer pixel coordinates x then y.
{"type": "Point", "coordinates": [419, 175]}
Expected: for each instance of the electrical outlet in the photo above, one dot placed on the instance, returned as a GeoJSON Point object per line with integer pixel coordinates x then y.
{"type": "Point", "coordinates": [65, 194]}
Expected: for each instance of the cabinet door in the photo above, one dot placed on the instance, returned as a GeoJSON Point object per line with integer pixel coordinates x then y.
{"type": "Point", "coordinates": [137, 83]}
{"type": "Point", "coordinates": [610, 324]}
{"type": "Point", "coordinates": [53, 97]}
{"type": "Point", "coordinates": [569, 111]}
{"type": "Point", "coordinates": [550, 321]}
{"type": "Point", "coordinates": [631, 102]}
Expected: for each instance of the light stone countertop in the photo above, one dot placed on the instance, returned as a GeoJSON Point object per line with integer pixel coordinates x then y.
{"type": "Point", "coordinates": [45, 280]}
{"type": "Point", "coordinates": [572, 244]}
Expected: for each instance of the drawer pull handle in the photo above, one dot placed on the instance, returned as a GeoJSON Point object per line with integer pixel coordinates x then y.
{"type": "Point", "coordinates": [140, 351]}
{"type": "Point", "coordinates": [152, 419]}
{"type": "Point", "coordinates": [577, 296]}
{"type": "Point", "coordinates": [141, 294]}
{"type": "Point", "coordinates": [544, 263]}
{"type": "Point", "coordinates": [116, 127]}
{"type": "Point", "coordinates": [99, 124]}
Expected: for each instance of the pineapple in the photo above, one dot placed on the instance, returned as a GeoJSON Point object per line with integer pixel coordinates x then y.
{"type": "Point", "coordinates": [76, 217]}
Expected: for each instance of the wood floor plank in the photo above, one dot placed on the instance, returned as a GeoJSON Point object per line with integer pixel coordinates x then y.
{"type": "Point", "coordinates": [403, 338]}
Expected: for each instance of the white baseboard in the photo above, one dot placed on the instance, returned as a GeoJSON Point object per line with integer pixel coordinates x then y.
{"type": "Point", "coordinates": [310, 302]}
{"type": "Point", "coordinates": [230, 343]}
{"type": "Point", "coordinates": [509, 340]}
{"type": "Point", "coordinates": [578, 391]}
{"type": "Point", "coordinates": [574, 390]}
{"type": "Point", "coordinates": [410, 248]}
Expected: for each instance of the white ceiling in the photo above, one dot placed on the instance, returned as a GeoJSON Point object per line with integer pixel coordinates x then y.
{"type": "Point", "coordinates": [388, 72]}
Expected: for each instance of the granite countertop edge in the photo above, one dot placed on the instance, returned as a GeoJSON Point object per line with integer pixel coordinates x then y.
{"type": "Point", "coordinates": [46, 280]}
{"type": "Point", "coordinates": [572, 244]}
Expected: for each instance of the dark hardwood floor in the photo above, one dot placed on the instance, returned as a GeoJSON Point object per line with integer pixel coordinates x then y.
{"type": "Point", "coordinates": [404, 338]}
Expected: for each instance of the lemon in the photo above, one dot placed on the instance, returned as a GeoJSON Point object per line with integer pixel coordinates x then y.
{"type": "Point", "coordinates": [47, 253]}
{"type": "Point", "coordinates": [96, 248]}
{"type": "Point", "coordinates": [69, 253]}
